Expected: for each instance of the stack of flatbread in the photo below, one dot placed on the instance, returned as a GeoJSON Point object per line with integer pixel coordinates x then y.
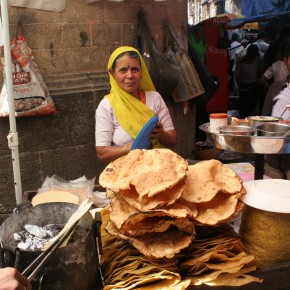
{"type": "Point", "coordinates": [157, 199]}
{"type": "Point", "coordinates": [144, 187]}
{"type": "Point", "coordinates": [215, 257]}
{"type": "Point", "coordinates": [124, 267]}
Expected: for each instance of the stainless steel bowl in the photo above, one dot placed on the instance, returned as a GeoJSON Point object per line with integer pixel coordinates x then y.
{"type": "Point", "coordinates": [255, 121]}
{"type": "Point", "coordinates": [236, 130]}
{"type": "Point", "coordinates": [272, 129]}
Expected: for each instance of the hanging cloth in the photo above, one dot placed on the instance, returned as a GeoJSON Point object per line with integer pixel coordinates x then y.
{"type": "Point", "coordinates": [189, 85]}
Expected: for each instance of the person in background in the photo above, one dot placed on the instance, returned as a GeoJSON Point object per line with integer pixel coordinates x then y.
{"type": "Point", "coordinates": [248, 72]}
{"type": "Point", "coordinates": [276, 102]}
{"type": "Point", "coordinates": [260, 42]}
{"type": "Point", "coordinates": [233, 48]}
{"type": "Point", "coordinates": [277, 71]}
{"type": "Point", "coordinates": [11, 279]}
{"type": "Point", "coordinates": [131, 103]}
{"type": "Point", "coordinates": [239, 53]}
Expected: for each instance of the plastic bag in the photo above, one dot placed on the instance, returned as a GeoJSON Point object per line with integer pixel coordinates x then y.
{"type": "Point", "coordinates": [82, 187]}
{"type": "Point", "coordinates": [31, 96]}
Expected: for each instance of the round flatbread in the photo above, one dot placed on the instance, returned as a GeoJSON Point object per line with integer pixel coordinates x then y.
{"type": "Point", "coordinates": [205, 179]}
{"type": "Point", "coordinates": [149, 171]}
{"type": "Point", "coordinates": [153, 221]}
{"type": "Point", "coordinates": [55, 196]}
{"type": "Point", "coordinates": [220, 208]}
{"type": "Point", "coordinates": [120, 210]}
{"type": "Point", "coordinates": [163, 198]}
{"type": "Point", "coordinates": [165, 244]}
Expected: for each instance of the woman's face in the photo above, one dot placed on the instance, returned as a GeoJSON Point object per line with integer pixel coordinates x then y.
{"type": "Point", "coordinates": [128, 74]}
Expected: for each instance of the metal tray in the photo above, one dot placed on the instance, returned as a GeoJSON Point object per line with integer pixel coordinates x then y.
{"type": "Point", "coordinates": [248, 144]}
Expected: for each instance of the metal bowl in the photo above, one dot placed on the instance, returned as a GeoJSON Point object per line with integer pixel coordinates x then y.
{"type": "Point", "coordinates": [236, 130]}
{"type": "Point", "coordinates": [272, 129]}
{"type": "Point", "coordinates": [255, 121]}
{"type": "Point", "coordinates": [248, 144]}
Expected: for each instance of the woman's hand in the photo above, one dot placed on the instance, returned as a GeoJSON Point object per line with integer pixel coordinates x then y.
{"type": "Point", "coordinates": [166, 138]}
{"type": "Point", "coordinates": [110, 153]}
{"type": "Point", "coordinates": [11, 279]}
{"type": "Point", "coordinates": [158, 131]}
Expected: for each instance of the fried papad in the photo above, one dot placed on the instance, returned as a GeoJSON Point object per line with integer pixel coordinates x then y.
{"type": "Point", "coordinates": [114, 231]}
{"type": "Point", "coordinates": [206, 178]}
{"type": "Point", "coordinates": [220, 208]}
{"type": "Point", "coordinates": [120, 210]}
{"type": "Point", "coordinates": [181, 208]}
{"type": "Point", "coordinates": [154, 221]}
{"type": "Point", "coordinates": [165, 244]}
{"type": "Point", "coordinates": [124, 267]}
{"type": "Point", "coordinates": [163, 198]}
{"type": "Point", "coordinates": [217, 254]}
{"type": "Point", "coordinates": [55, 196]}
{"type": "Point", "coordinates": [162, 280]}
{"type": "Point", "coordinates": [239, 207]}
{"type": "Point", "coordinates": [149, 171]}
{"type": "Point", "coordinates": [109, 193]}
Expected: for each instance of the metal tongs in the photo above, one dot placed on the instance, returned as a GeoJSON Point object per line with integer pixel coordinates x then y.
{"type": "Point", "coordinates": [61, 239]}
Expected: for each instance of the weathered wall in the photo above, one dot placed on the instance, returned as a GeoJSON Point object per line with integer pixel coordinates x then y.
{"type": "Point", "coordinates": [71, 49]}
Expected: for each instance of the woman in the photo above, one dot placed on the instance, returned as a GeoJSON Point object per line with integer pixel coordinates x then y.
{"type": "Point", "coordinates": [131, 103]}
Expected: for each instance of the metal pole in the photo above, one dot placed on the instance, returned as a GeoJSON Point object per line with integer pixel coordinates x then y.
{"type": "Point", "coordinates": [259, 166]}
{"type": "Point", "coordinates": [13, 135]}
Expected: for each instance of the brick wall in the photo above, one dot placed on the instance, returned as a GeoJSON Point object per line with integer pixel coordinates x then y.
{"type": "Point", "coordinates": [71, 49]}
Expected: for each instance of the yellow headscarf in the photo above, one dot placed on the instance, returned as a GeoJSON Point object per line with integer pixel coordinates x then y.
{"type": "Point", "coordinates": [130, 112]}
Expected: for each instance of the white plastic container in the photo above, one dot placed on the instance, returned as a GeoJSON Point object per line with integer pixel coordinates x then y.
{"type": "Point", "coordinates": [217, 120]}
{"type": "Point", "coordinates": [268, 194]}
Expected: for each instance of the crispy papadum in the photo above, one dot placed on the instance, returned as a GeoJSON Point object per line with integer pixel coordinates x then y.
{"type": "Point", "coordinates": [55, 196]}
{"type": "Point", "coordinates": [154, 221]}
{"type": "Point", "coordinates": [165, 244]}
{"type": "Point", "coordinates": [220, 208]}
{"type": "Point", "coordinates": [120, 210]}
{"type": "Point", "coordinates": [206, 178]}
{"type": "Point", "coordinates": [163, 198]}
{"type": "Point", "coordinates": [181, 208]}
{"type": "Point", "coordinates": [149, 171]}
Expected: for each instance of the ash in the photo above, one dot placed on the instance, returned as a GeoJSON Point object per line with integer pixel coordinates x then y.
{"type": "Point", "coordinates": [33, 237]}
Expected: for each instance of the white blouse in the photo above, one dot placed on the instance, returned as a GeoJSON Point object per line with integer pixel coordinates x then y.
{"type": "Point", "coordinates": [108, 130]}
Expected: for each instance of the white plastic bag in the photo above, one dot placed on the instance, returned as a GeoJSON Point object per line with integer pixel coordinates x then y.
{"type": "Point", "coordinates": [82, 187]}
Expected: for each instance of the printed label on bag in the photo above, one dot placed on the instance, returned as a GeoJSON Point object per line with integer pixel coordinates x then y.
{"type": "Point", "coordinates": [20, 78]}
